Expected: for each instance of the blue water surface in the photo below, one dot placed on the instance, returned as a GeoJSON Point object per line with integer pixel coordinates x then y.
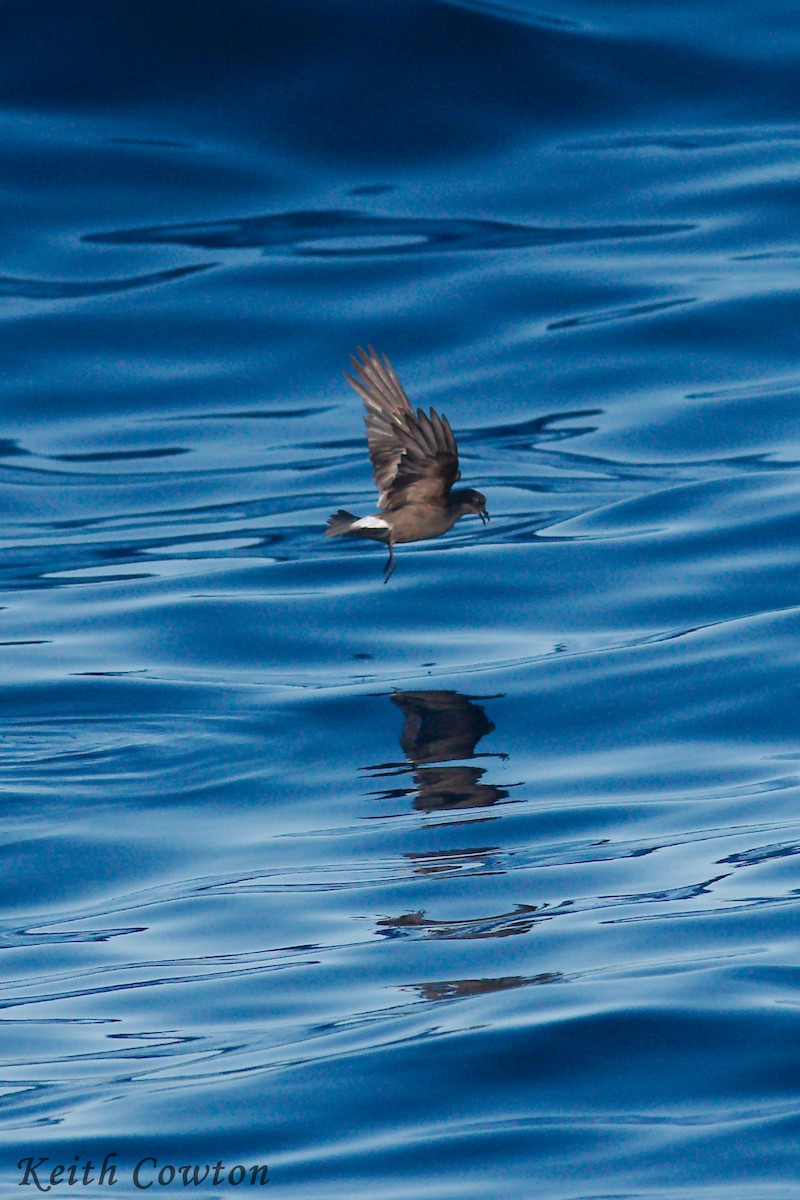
{"type": "Point", "coordinates": [483, 883]}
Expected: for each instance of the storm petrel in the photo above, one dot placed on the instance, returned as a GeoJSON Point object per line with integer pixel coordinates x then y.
{"type": "Point", "coordinates": [414, 461]}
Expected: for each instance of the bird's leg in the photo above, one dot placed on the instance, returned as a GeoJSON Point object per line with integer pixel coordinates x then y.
{"type": "Point", "coordinates": [390, 563]}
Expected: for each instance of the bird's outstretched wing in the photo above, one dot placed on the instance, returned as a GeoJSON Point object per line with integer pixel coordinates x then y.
{"type": "Point", "coordinates": [414, 455]}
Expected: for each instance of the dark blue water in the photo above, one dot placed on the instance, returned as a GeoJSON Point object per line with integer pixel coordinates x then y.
{"type": "Point", "coordinates": [485, 883]}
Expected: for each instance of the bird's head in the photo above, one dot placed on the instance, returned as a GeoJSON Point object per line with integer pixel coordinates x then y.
{"type": "Point", "coordinates": [474, 502]}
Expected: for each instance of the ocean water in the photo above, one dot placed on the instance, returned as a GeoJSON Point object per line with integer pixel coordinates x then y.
{"type": "Point", "coordinates": [483, 883]}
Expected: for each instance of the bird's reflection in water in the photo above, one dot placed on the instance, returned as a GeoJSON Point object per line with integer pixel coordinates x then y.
{"type": "Point", "coordinates": [440, 727]}
{"type": "Point", "coordinates": [456, 989]}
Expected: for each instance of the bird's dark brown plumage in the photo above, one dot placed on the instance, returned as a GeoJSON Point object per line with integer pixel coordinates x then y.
{"type": "Point", "coordinates": [414, 456]}
{"type": "Point", "coordinates": [414, 462]}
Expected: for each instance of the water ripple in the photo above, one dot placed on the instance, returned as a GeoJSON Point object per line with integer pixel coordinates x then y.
{"type": "Point", "coordinates": [66, 289]}
{"type": "Point", "coordinates": [340, 233]}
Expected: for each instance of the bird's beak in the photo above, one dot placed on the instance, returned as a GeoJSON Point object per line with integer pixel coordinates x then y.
{"type": "Point", "coordinates": [484, 516]}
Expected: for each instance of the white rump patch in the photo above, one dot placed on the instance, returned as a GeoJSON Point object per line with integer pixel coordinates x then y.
{"type": "Point", "coordinates": [370, 523]}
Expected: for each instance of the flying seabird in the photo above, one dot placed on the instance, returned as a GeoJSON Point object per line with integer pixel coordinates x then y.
{"type": "Point", "coordinates": [414, 462]}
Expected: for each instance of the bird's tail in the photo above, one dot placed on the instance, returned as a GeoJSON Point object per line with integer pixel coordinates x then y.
{"type": "Point", "coordinates": [341, 522]}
